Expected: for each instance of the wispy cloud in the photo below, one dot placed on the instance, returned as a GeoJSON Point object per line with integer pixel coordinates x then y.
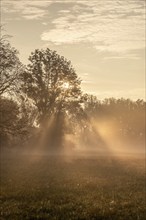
{"type": "Point", "coordinates": [123, 56]}
{"type": "Point", "coordinates": [108, 25]}
{"type": "Point", "coordinates": [26, 8]}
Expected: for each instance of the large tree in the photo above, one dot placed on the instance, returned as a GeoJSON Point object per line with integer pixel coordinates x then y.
{"type": "Point", "coordinates": [51, 82]}
{"type": "Point", "coordinates": [54, 87]}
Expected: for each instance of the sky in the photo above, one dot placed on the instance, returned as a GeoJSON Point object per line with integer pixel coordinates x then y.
{"type": "Point", "coordinates": [104, 39]}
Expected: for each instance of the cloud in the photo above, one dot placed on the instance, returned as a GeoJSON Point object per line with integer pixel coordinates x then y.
{"type": "Point", "coordinates": [64, 11]}
{"type": "Point", "coordinates": [107, 25]}
{"type": "Point", "coordinates": [116, 26]}
{"type": "Point", "coordinates": [26, 8]}
{"type": "Point", "coordinates": [134, 56]}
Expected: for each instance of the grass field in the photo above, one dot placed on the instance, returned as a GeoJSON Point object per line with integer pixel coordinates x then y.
{"type": "Point", "coordinates": [67, 188]}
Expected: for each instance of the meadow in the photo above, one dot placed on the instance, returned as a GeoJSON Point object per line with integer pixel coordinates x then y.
{"type": "Point", "coordinates": [72, 187]}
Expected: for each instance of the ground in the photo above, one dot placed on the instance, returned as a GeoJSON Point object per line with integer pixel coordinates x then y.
{"type": "Point", "coordinates": [72, 188]}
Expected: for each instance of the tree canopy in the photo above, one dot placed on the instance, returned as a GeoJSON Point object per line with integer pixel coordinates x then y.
{"type": "Point", "coordinates": [51, 82]}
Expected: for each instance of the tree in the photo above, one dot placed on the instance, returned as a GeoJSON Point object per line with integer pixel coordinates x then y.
{"type": "Point", "coordinates": [9, 112]}
{"type": "Point", "coordinates": [15, 126]}
{"type": "Point", "coordinates": [52, 84]}
{"type": "Point", "coordinates": [119, 120]}
{"type": "Point", "coordinates": [10, 66]}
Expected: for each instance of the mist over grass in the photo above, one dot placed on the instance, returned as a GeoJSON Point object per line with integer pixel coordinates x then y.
{"type": "Point", "coordinates": [72, 187]}
{"type": "Point", "coordinates": [94, 175]}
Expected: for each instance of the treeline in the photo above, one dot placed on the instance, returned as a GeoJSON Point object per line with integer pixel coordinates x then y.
{"type": "Point", "coordinates": [44, 99]}
{"type": "Point", "coordinates": [120, 121]}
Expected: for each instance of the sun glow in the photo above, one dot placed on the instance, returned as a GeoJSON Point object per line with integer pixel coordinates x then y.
{"type": "Point", "coordinates": [109, 132]}
{"type": "Point", "coordinates": [66, 85]}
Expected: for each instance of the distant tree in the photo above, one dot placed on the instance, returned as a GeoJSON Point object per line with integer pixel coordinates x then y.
{"type": "Point", "coordinates": [91, 104]}
{"type": "Point", "coordinates": [124, 117]}
{"type": "Point", "coordinates": [10, 66]}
